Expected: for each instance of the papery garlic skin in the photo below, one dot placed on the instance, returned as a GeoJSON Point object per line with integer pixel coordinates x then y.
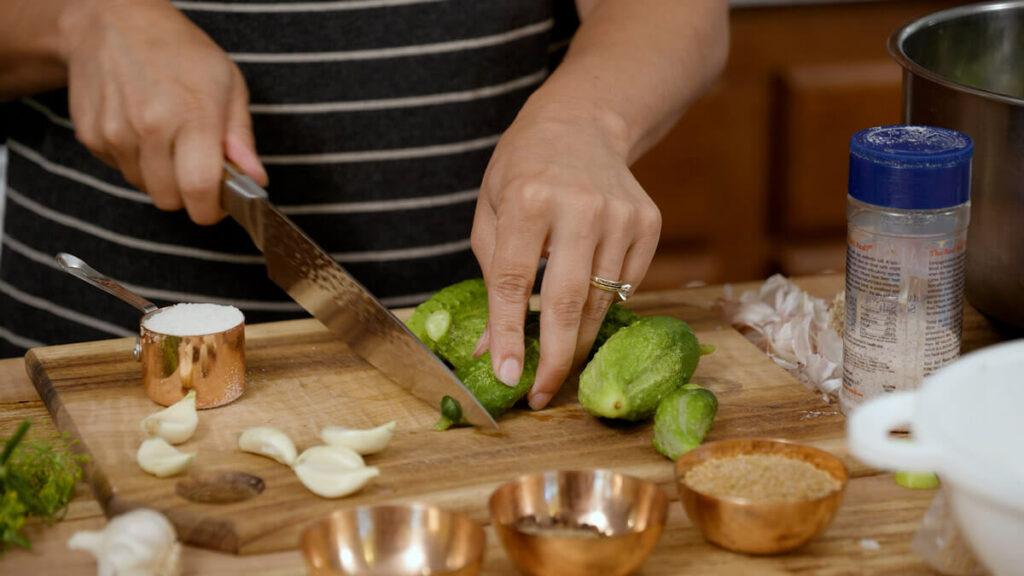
{"type": "Point", "coordinates": [268, 441]}
{"type": "Point", "coordinates": [335, 484]}
{"type": "Point", "coordinates": [794, 328]}
{"type": "Point", "coordinates": [176, 423]}
{"type": "Point", "coordinates": [161, 459]}
{"type": "Point", "coordinates": [138, 543]}
{"type": "Point", "coordinates": [364, 442]}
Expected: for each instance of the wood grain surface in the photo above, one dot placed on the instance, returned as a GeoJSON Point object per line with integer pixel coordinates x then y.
{"type": "Point", "coordinates": [458, 469]}
{"type": "Point", "coordinates": [301, 379]}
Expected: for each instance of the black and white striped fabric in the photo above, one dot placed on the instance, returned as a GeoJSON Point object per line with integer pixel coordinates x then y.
{"type": "Point", "coordinates": [375, 120]}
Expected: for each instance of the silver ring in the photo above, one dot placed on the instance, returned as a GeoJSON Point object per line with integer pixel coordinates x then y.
{"type": "Point", "coordinates": [623, 290]}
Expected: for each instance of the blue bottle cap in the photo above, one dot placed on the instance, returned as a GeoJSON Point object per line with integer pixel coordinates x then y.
{"type": "Point", "coordinates": [911, 167]}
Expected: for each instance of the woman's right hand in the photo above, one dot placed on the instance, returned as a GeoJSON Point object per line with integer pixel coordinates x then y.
{"type": "Point", "coordinates": [153, 96]}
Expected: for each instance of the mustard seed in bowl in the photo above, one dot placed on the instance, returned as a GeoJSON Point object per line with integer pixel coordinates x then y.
{"type": "Point", "coordinates": [761, 478]}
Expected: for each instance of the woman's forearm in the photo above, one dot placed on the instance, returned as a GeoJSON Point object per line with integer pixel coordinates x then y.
{"type": "Point", "coordinates": [30, 52]}
{"type": "Point", "coordinates": [635, 65]}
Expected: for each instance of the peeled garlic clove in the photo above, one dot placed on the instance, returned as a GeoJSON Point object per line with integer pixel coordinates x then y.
{"type": "Point", "coordinates": [161, 459]}
{"type": "Point", "coordinates": [362, 441]}
{"type": "Point", "coordinates": [176, 423]}
{"type": "Point", "coordinates": [268, 441]}
{"type": "Point", "coordinates": [335, 484]}
{"type": "Point", "coordinates": [332, 471]}
{"type": "Point", "coordinates": [138, 543]}
{"type": "Point", "coordinates": [333, 459]}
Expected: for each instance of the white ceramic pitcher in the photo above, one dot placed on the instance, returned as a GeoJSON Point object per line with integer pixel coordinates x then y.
{"type": "Point", "coordinates": [967, 422]}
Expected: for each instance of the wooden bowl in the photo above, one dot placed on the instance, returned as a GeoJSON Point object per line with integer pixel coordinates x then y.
{"type": "Point", "coordinates": [578, 523]}
{"type": "Point", "coordinates": [753, 527]}
{"type": "Point", "coordinates": [394, 541]}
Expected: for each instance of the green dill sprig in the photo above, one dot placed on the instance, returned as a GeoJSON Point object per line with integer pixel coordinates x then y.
{"type": "Point", "coordinates": [37, 478]}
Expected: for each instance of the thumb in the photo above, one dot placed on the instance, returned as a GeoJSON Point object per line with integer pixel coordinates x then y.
{"type": "Point", "coordinates": [239, 140]}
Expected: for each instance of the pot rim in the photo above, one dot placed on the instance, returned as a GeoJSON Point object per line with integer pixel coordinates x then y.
{"type": "Point", "coordinates": [897, 38]}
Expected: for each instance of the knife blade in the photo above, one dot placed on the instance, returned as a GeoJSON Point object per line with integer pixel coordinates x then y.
{"type": "Point", "coordinates": [321, 286]}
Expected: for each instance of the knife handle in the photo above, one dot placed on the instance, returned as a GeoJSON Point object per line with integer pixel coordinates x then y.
{"type": "Point", "coordinates": [234, 179]}
{"type": "Point", "coordinates": [241, 197]}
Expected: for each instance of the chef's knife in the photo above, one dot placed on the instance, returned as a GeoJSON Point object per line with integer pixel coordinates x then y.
{"type": "Point", "coordinates": [321, 286]}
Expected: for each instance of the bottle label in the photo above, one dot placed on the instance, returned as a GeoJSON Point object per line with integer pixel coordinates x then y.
{"type": "Point", "coordinates": [904, 311]}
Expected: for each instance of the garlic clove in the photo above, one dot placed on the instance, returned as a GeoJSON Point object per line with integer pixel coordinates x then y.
{"type": "Point", "coordinates": [176, 423]}
{"type": "Point", "coordinates": [138, 543]}
{"type": "Point", "coordinates": [362, 441]}
{"type": "Point", "coordinates": [161, 459]}
{"type": "Point", "coordinates": [333, 471]}
{"type": "Point", "coordinates": [333, 459]}
{"type": "Point", "coordinates": [268, 441]}
{"type": "Point", "coordinates": [328, 484]}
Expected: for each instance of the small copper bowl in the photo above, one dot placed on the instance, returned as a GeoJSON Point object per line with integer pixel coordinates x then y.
{"type": "Point", "coordinates": [753, 527]}
{"type": "Point", "coordinates": [212, 364]}
{"type": "Point", "coordinates": [394, 541]}
{"type": "Point", "coordinates": [578, 523]}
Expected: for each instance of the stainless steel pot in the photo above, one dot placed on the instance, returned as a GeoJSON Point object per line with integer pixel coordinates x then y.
{"type": "Point", "coordinates": [964, 69]}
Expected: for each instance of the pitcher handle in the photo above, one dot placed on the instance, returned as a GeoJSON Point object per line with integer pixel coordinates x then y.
{"type": "Point", "coordinates": [867, 432]}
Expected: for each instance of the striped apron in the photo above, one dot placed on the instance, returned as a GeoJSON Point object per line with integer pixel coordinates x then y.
{"type": "Point", "coordinates": [375, 120]}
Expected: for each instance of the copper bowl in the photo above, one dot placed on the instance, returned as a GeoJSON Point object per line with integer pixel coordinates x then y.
{"type": "Point", "coordinates": [394, 541]}
{"type": "Point", "coordinates": [754, 527]}
{"type": "Point", "coordinates": [578, 523]}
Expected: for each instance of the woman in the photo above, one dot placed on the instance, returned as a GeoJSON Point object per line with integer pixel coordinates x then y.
{"type": "Point", "coordinates": [379, 123]}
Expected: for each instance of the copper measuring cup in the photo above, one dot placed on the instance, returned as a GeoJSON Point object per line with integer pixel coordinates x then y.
{"type": "Point", "coordinates": [212, 364]}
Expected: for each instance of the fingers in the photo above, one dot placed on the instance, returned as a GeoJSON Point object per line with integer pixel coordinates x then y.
{"type": "Point", "coordinates": [198, 165]}
{"type": "Point", "coordinates": [156, 163]}
{"type": "Point", "coordinates": [161, 104]}
{"type": "Point", "coordinates": [482, 243]}
{"type": "Point", "coordinates": [564, 296]}
{"type": "Point", "coordinates": [239, 140]}
{"type": "Point", "coordinates": [615, 240]}
{"type": "Point", "coordinates": [483, 234]}
{"type": "Point", "coordinates": [647, 232]}
{"type": "Point", "coordinates": [85, 100]}
{"type": "Point", "coordinates": [120, 141]}
{"type": "Point", "coordinates": [608, 264]}
{"type": "Point", "coordinates": [520, 236]}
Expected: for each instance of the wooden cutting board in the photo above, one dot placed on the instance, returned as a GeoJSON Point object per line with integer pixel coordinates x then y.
{"type": "Point", "coordinates": [300, 379]}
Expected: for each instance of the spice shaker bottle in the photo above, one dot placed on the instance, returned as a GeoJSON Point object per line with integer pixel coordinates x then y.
{"type": "Point", "coordinates": [908, 208]}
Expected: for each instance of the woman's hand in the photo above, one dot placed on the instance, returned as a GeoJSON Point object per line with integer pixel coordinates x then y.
{"type": "Point", "coordinates": [153, 96]}
{"type": "Point", "coordinates": [558, 186]}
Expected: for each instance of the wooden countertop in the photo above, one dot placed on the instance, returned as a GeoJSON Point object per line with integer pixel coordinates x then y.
{"type": "Point", "coordinates": [875, 507]}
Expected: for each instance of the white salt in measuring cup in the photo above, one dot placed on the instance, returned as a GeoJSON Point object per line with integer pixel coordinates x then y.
{"type": "Point", "coordinates": [966, 426]}
{"type": "Point", "coordinates": [211, 362]}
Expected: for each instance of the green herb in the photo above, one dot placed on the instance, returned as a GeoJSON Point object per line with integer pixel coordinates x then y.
{"type": "Point", "coordinates": [12, 518]}
{"type": "Point", "coordinates": [37, 478]}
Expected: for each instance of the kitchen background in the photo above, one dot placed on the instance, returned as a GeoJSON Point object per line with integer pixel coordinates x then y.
{"type": "Point", "coordinates": [753, 179]}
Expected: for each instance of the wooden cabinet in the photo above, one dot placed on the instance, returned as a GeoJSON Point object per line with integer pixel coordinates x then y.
{"type": "Point", "coordinates": [753, 179]}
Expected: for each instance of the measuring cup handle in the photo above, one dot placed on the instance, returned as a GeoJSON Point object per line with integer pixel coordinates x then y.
{"type": "Point", "coordinates": [867, 432]}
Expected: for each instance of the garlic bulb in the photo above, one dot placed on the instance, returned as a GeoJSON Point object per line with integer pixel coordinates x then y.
{"type": "Point", "coordinates": [362, 441]}
{"type": "Point", "coordinates": [138, 543]}
{"type": "Point", "coordinates": [176, 423]}
{"type": "Point", "coordinates": [333, 471]}
{"type": "Point", "coordinates": [161, 459]}
{"type": "Point", "coordinates": [268, 441]}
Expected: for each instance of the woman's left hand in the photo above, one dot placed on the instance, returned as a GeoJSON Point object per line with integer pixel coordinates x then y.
{"type": "Point", "coordinates": [558, 187]}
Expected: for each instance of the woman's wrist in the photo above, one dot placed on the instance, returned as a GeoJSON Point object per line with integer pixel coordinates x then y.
{"type": "Point", "coordinates": [584, 118]}
{"type": "Point", "coordinates": [74, 17]}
